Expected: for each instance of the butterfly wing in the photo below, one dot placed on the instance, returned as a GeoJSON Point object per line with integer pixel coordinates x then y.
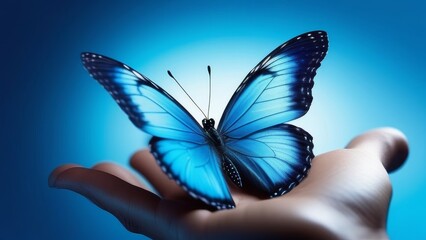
{"type": "Point", "coordinates": [196, 168]}
{"type": "Point", "coordinates": [148, 106]}
{"type": "Point", "coordinates": [272, 160]}
{"type": "Point", "coordinates": [179, 144]}
{"type": "Point", "coordinates": [278, 89]}
{"type": "Point", "coordinates": [270, 155]}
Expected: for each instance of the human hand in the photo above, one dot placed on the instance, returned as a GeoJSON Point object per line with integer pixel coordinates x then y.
{"type": "Point", "coordinates": [346, 195]}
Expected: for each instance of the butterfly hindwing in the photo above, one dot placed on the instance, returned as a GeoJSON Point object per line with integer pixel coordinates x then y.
{"type": "Point", "coordinates": [196, 167]}
{"type": "Point", "coordinates": [272, 160]}
{"type": "Point", "coordinates": [278, 89]}
{"type": "Point", "coordinates": [148, 106]}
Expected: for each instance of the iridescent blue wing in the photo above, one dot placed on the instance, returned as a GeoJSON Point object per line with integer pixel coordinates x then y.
{"type": "Point", "coordinates": [196, 167]}
{"type": "Point", "coordinates": [180, 144]}
{"type": "Point", "coordinates": [278, 89]}
{"type": "Point", "coordinates": [269, 155]}
{"type": "Point", "coordinates": [148, 106]}
{"type": "Point", "coordinates": [272, 160]}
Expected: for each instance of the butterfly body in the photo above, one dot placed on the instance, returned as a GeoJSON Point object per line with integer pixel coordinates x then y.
{"type": "Point", "coordinates": [252, 145]}
{"type": "Point", "coordinates": [216, 140]}
{"type": "Point", "coordinates": [211, 132]}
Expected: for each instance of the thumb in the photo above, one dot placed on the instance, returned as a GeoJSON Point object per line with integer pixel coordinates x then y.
{"type": "Point", "coordinates": [387, 144]}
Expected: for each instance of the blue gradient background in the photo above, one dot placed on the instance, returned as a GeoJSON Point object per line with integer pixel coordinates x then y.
{"type": "Point", "coordinates": [53, 113]}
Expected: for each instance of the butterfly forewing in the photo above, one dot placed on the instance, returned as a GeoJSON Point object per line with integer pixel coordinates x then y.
{"type": "Point", "coordinates": [278, 89]}
{"type": "Point", "coordinates": [148, 106]}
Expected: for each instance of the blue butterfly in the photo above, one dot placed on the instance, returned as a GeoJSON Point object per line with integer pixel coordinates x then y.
{"type": "Point", "coordinates": [252, 145]}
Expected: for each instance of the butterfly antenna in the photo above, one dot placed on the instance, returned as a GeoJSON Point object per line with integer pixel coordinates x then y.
{"type": "Point", "coordinates": [171, 75]}
{"type": "Point", "coordinates": [209, 70]}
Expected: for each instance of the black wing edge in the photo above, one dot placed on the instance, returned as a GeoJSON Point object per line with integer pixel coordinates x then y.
{"type": "Point", "coordinates": [307, 157]}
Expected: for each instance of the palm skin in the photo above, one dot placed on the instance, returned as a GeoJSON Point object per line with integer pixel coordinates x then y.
{"type": "Point", "coordinates": [345, 196]}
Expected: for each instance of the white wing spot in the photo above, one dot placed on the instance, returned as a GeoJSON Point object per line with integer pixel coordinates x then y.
{"type": "Point", "coordinates": [157, 87]}
{"type": "Point", "coordinates": [266, 60]}
{"type": "Point", "coordinates": [137, 74]}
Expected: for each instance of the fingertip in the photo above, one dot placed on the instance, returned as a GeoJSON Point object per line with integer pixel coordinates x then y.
{"type": "Point", "coordinates": [55, 174]}
{"type": "Point", "coordinates": [399, 153]}
{"type": "Point", "coordinates": [396, 134]}
{"type": "Point", "coordinates": [137, 157]}
{"type": "Point", "coordinates": [389, 144]}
